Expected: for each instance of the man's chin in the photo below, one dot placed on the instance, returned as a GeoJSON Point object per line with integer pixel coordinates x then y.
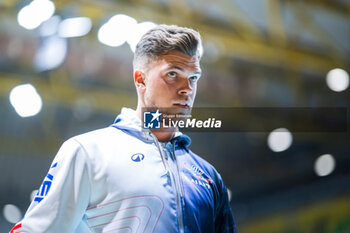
{"type": "Point", "coordinates": [172, 110]}
{"type": "Point", "coordinates": [179, 110]}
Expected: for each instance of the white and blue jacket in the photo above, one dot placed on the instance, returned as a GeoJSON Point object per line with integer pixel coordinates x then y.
{"type": "Point", "coordinates": [121, 179]}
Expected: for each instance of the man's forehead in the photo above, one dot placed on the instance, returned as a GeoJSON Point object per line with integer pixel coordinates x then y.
{"type": "Point", "coordinates": [177, 55]}
{"type": "Point", "coordinates": [176, 59]}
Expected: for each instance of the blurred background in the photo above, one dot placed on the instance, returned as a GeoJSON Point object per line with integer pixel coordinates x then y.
{"type": "Point", "coordinates": [65, 68]}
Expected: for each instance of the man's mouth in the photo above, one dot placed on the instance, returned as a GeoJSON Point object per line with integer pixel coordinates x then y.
{"type": "Point", "coordinates": [182, 105]}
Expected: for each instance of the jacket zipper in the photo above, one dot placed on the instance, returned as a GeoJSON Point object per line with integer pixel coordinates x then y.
{"type": "Point", "coordinates": [178, 174]}
{"type": "Point", "coordinates": [180, 198]}
{"type": "Point", "coordinates": [159, 149]}
{"type": "Point", "coordinates": [177, 182]}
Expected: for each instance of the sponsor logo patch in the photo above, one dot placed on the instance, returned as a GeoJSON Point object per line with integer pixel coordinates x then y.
{"type": "Point", "coordinates": [198, 176]}
{"type": "Point", "coordinates": [137, 157]}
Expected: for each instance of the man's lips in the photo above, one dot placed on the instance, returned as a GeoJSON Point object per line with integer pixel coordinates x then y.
{"type": "Point", "coordinates": [182, 105]}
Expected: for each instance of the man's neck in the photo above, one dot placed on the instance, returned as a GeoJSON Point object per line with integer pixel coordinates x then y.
{"type": "Point", "coordinates": [163, 136]}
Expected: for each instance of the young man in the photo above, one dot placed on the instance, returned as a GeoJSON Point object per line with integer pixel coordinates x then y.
{"type": "Point", "coordinates": [125, 179]}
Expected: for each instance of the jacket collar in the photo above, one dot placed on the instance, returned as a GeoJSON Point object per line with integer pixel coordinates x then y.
{"type": "Point", "coordinates": [129, 122]}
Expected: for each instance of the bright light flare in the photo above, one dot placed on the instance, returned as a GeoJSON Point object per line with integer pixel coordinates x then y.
{"type": "Point", "coordinates": [12, 213]}
{"type": "Point", "coordinates": [324, 165]}
{"type": "Point", "coordinates": [32, 15]}
{"type": "Point", "coordinates": [116, 31]}
{"type": "Point", "coordinates": [51, 53]}
{"type": "Point", "coordinates": [337, 80]}
{"type": "Point", "coordinates": [74, 27]}
{"type": "Point", "coordinates": [25, 100]}
{"type": "Point", "coordinates": [33, 194]}
{"type": "Point", "coordinates": [229, 194]}
{"type": "Point", "coordinates": [136, 34]}
{"type": "Point", "coordinates": [50, 26]}
{"type": "Point", "coordinates": [279, 139]}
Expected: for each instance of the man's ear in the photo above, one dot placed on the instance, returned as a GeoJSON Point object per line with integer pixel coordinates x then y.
{"type": "Point", "coordinates": [139, 79]}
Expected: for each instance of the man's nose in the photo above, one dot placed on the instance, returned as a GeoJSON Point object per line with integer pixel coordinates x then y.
{"type": "Point", "coordinates": [186, 87]}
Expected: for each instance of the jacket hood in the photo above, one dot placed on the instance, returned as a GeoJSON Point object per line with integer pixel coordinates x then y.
{"type": "Point", "coordinates": [129, 122]}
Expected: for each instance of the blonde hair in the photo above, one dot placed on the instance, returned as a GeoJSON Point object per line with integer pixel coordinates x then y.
{"type": "Point", "coordinates": [166, 38]}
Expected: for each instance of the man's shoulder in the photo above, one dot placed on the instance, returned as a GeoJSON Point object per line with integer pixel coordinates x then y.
{"type": "Point", "coordinates": [98, 144]}
{"type": "Point", "coordinates": [99, 136]}
{"type": "Point", "coordinates": [102, 132]}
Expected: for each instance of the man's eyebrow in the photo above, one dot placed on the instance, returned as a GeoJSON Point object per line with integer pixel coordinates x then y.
{"type": "Point", "coordinates": [179, 68]}
{"type": "Point", "coordinates": [175, 67]}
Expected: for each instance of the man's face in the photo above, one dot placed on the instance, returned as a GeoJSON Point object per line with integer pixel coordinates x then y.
{"type": "Point", "coordinates": [171, 82]}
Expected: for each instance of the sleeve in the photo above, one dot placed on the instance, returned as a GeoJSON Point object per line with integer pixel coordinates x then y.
{"type": "Point", "coordinates": [63, 197]}
{"type": "Point", "coordinates": [224, 222]}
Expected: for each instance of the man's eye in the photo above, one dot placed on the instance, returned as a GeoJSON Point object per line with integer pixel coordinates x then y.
{"type": "Point", "coordinates": [194, 78]}
{"type": "Point", "coordinates": [172, 74]}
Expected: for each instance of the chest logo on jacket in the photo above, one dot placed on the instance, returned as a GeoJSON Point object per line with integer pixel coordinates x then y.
{"type": "Point", "coordinates": [138, 157]}
{"type": "Point", "coordinates": [198, 176]}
